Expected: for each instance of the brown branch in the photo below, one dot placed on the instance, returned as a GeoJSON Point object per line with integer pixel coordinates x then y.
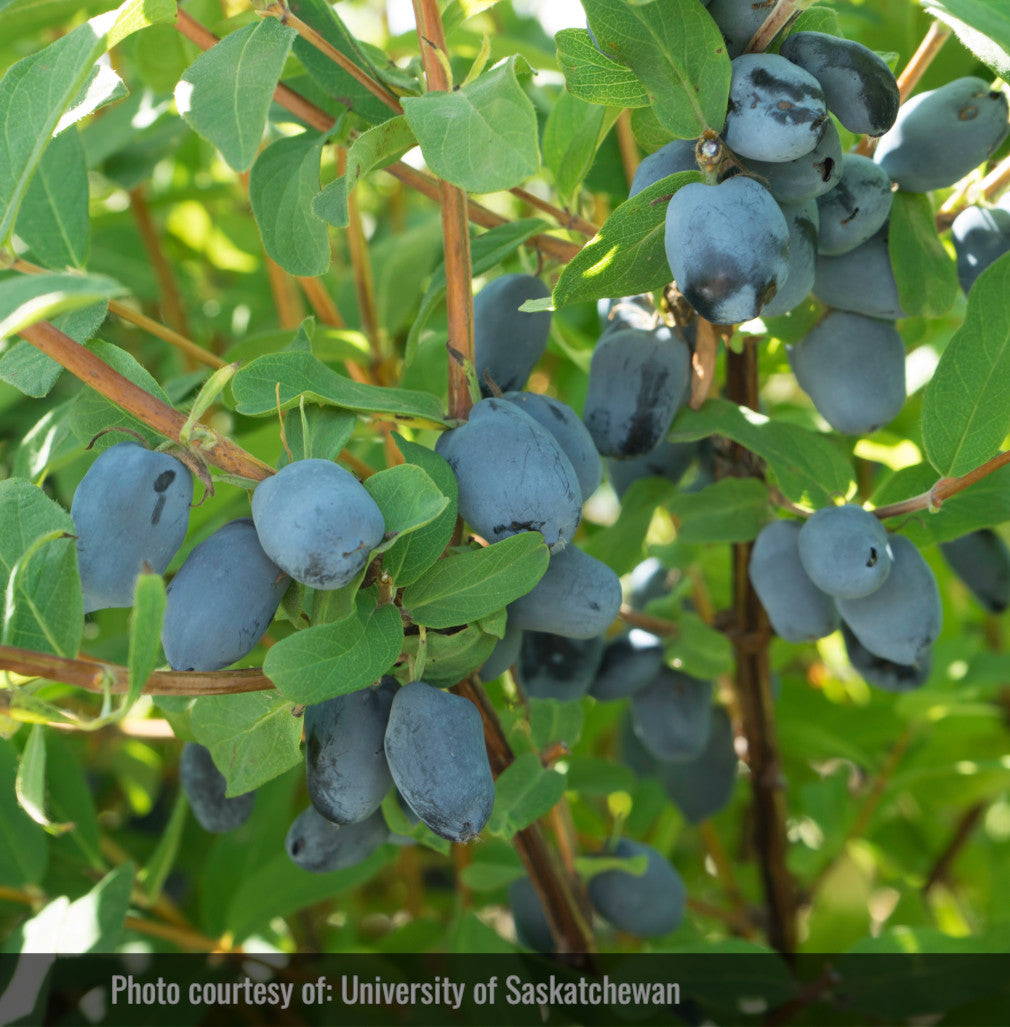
{"type": "Point", "coordinates": [962, 833]}
{"type": "Point", "coordinates": [318, 119]}
{"type": "Point", "coordinates": [565, 908]}
{"type": "Point", "coordinates": [627, 145]}
{"type": "Point", "coordinates": [287, 302]}
{"type": "Point", "coordinates": [361, 266]}
{"type": "Point", "coordinates": [566, 219]}
{"type": "Point", "coordinates": [751, 637]}
{"type": "Point", "coordinates": [170, 300]}
{"type": "Point", "coordinates": [455, 233]}
{"type": "Point", "coordinates": [322, 302]}
{"type": "Point", "coordinates": [93, 371]}
{"type": "Point", "coordinates": [657, 625]}
{"type": "Point", "coordinates": [780, 15]}
{"type": "Point", "coordinates": [93, 675]}
{"type": "Point", "coordinates": [943, 489]}
{"type": "Point", "coordinates": [909, 78]}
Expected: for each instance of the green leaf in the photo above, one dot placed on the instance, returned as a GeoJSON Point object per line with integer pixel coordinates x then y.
{"type": "Point", "coordinates": [28, 299]}
{"type": "Point", "coordinates": [487, 250]}
{"type": "Point", "coordinates": [493, 866]}
{"type": "Point", "coordinates": [678, 54]}
{"type": "Point", "coordinates": [621, 545]}
{"type": "Point", "coordinates": [37, 91]}
{"type": "Point", "coordinates": [24, 848]}
{"type": "Point", "coordinates": [983, 27]}
{"type": "Point", "coordinates": [44, 609]}
{"type": "Point", "coordinates": [698, 649]}
{"type": "Point", "coordinates": [91, 412]}
{"type": "Point", "coordinates": [145, 633]}
{"type": "Point", "coordinates": [449, 658]}
{"type": "Point", "coordinates": [524, 792]}
{"type": "Point", "coordinates": [468, 585]}
{"type": "Point", "coordinates": [731, 510]}
{"type": "Point", "coordinates": [30, 786]}
{"type": "Point", "coordinates": [256, 385]}
{"type": "Point", "coordinates": [591, 775]}
{"type": "Point", "coordinates": [29, 369]}
{"type": "Point", "coordinates": [53, 218]}
{"type": "Point", "coordinates": [282, 184]}
{"type": "Point", "coordinates": [225, 94]}
{"type": "Point", "coordinates": [553, 721]}
{"type": "Point", "coordinates": [966, 407]}
{"type": "Point", "coordinates": [94, 923]}
{"type": "Point", "coordinates": [253, 737]}
{"type": "Point", "coordinates": [924, 271]}
{"type": "Point", "coordinates": [809, 467]}
{"type": "Point", "coordinates": [317, 432]}
{"type": "Point", "coordinates": [572, 135]}
{"type": "Point", "coordinates": [481, 137]}
{"type": "Point", "coordinates": [408, 499]}
{"type": "Point", "coordinates": [154, 873]}
{"type": "Point", "coordinates": [628, 254]}
{"type": "Point", "coordinates": [376, 148]}
{"type": "Point", "coordinates": [333, 659]}
{"type": "Point", "coordinates": [594, 77]}
{"type": "Point", "coordinates": [413, 554]}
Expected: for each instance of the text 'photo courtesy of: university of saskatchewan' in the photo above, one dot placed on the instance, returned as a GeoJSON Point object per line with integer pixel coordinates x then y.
{"type": "Point", "coordinates": [507, 480]}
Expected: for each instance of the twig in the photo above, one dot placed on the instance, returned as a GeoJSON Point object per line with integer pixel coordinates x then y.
{"type": "Point", "coordinates": [286, 301]}
{"type": "Point", "coordinates": [557, 893]}
{"type": "Point", "coordinates": [361, 266]}
{"type": "Point", "coordinates": [724, 871]}
{"type": "Point", "coordinates": [943, 489]}
{"type": "Point", "coordinates": [455, 233]}
{"type": "Point", "coordinates": [780, 15]}
{"type": "Point", "coordinates": [168, 291]}
{"type": "Point", "coordinates": [869, 805]}
{"type": "Point", "coordinates": [95, 676]}
{"type": "Point", "coordinates": [657, 625]}
{"type": "Point", "coordinates": [318, 119]}
{"type": "Point", "coordinates": [751, 639]}
{"type": "Point", "coordinates": [965, 826]}
{"type": "Point", "coordinates": [627, 145]}
{"type": "Point", "coordinates": [909, 78]}
{"type": "Point", "coordinates": [156, 328]}
{"type": "Point", "coordinates": [322, 302]}
{"type": "Point", "coordinates": [93, 371]}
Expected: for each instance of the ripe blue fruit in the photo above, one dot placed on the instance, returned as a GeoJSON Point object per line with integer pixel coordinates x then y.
{"type": "Point", "coordinates": [802, 219]}
{"type": "Point", "coordinates": [627, 312]}
{"type": "Point", "coordinates": [578, 596]}
{"type": "Point", "coordinates": [318, 846]}
{"type": "Point", "coordinates": [798, 610]}
{"type": "Point", "coordinates": [667, 160]}
{"type": "Point", "coordinates": [533, 931]}
{"type": "Point", "coordinates": [853, 368]}
{"type": "Point", "coordinates": [507, 342]}
{"type": "Point", "coordinates": [648, 905]}
{"type": "Point", "coordinates": [860, 281]}
{"type": "Point", "coordinates": [728, 248]}
{"type": "Point", "coordinates": [436, 753]}
{"type": "Point", "coordinates": [776, 111]}
{"type": "Point", "coordinates": [317, 522]}
{"type": "Point", "coordinates": [886, 674]}
{"type": "Point", "coordinates": [221, 600]}
{"type": "Point", "coordinates": [345, 758]}
{"type": "Point", "coordinates": [672, 715]}
{"type": "Point", "coordinates": [806, 177]}
{"type": "Point", "coordinates": [845, 551]}
{"type": "Point", "coordinates": [941, 135]}
{"type": "Point", "coordinates": [130, 508]}
{"type": "Point", "coordinates": [856, 208]}
{"type": "Point", "coordinates": [504, 654]}
{"type": "Point", "coordinates": [980, 235]}
{"type": "Point", "coordinates": [205, 786]}
{"type": "Point", "coordinates": [701, 787]}
{"type": "Point", "coordinates": [513, 475]}
{"type": "Point", "coordinates": [981, 560]}
{"type": "Point", "coordinates": [629, 663]}
{"type": "Point", "coordinates": [572, 435]}
{"type": "Point", "coordinates": [637, 383]}
{"type": "Point", "coordinates": [669, 460]}
{"type": "Point", "coordinates": [556, 667]}
{"type": "Point", "coordinates": [859, 88]}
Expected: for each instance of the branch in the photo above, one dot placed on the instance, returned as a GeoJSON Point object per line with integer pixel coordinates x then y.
{"type": "Point", "coordinates": [81, 362]}
{"type": "Point", "coordinates": [751, 637]}
{"type": "Point", "coordinates": [943, 489]}
{"type": "Point", "coordinates": [97, 676]}
{"type": "Point", "coordinates": [318, 119]}
{"type": "Point", "coordinates": [781, 14]}
{"type": "Point", "coordinates": [965, 826]}
{"type": "Point", "coordinates": [657, 625]}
